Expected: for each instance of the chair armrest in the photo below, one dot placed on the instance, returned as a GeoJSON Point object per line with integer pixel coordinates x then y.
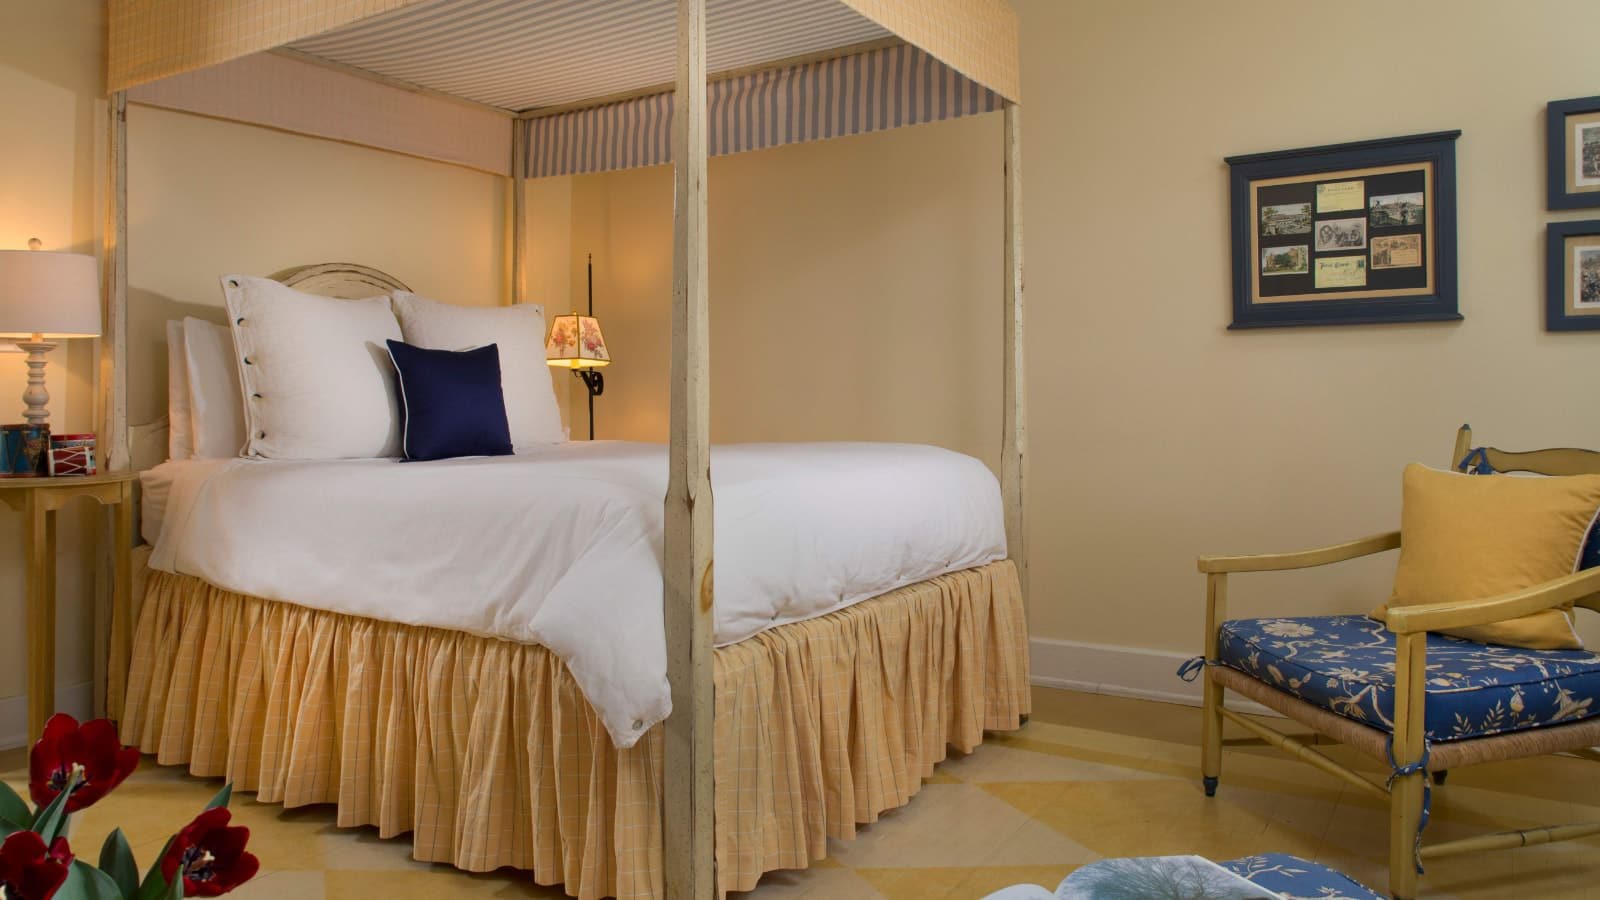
{"type": "Point", "coordinates": [1466, 613]}
{"type": "Point", "coordinates": [1304, 559]}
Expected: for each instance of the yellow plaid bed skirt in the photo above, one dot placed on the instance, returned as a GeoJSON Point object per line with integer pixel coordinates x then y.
{"type": "Point", "coordinates": [488, 753]}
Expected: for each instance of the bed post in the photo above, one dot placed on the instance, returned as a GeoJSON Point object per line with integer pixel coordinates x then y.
{"type": "Point", "coordinates": [1014, 441]}
{"type": "Point", "coordinates": [113, 392]}
{"type": "Point", "coordinates": [519, 237]}
{"type": "Point", "coordinates": [688, 837]}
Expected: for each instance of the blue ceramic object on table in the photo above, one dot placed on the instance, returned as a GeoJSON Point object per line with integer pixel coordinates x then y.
{"type": "Point", "coordinates": [24, 451]}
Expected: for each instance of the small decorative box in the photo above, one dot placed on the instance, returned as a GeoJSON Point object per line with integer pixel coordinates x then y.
{"type": "Point", "coordinates": [72, 454]}
{"type": "Point", "coordinates": [24, 451]}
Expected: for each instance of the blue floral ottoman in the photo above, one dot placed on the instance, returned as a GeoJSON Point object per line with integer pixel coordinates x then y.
{"type": "Point", "coordinates": [1175, 877]}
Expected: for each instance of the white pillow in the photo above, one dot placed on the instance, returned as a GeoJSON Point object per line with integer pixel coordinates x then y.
{"type": "Point", "coordinates": [518, 331]}
{"type": "Point", "coordinates": [180, 440]}
{"type": "Point", "coordinates": [317, 379]}
{"type": "Point", "coordinates": [216, 404]}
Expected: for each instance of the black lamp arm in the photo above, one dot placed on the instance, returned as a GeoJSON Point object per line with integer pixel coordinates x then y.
{"type": "Point", "coordinates": [593, 379]}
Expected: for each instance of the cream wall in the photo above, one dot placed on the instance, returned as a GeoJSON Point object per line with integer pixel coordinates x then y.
{"type": "Point", "coordinates": [1156, 434]}
{"type": "Point", "coordinates": [853, 290]}
{"type": "Point", "coordinates": [855, 283]}
{"type": "Point", "coordinates": [208, 197]}
{"type": "Point", "coordinates": [855, 294]}
{"type": "Point", "coordinates": [51, 140]}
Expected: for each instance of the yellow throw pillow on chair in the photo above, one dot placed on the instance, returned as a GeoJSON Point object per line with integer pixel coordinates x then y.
{"type": "Point", "coordinates": [1469, 537]}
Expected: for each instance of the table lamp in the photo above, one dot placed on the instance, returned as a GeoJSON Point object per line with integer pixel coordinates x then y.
{"type": "Point", "coordinates": [45, 297]}
{"type": "Point", "coordinates": [576, 343]}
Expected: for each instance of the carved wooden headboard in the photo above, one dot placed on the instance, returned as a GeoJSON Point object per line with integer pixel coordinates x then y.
{"type": "Point", "coordinates": [147, 444]}
{"type": "Point", "coordinates": [346, 281]}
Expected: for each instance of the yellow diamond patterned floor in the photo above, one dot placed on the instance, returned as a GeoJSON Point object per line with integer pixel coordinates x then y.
{"type": "Point", "coordinates": [1090, 777]}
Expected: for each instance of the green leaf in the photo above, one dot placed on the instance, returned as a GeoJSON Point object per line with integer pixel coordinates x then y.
{"type": "Point", "coordinates": [85, 882]}
{"type": "Point", "coordinates": [222, 797]}
{"type": "Point", "coordinates": [175, 890]}
{"type": "Point", "coordinates": [155, 884]}
{"type": "Point", "coordinates": [7, 829]}
{"type": "Point", "coordinates": [13, 808]}
{"type": "Point", "coordinates": [116, 860]}
{"type": "Point", "coordinates": [52, 820]}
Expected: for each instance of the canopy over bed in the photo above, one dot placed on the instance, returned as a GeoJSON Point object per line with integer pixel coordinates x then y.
{"type": "Point", "coordinates": [532, 89]}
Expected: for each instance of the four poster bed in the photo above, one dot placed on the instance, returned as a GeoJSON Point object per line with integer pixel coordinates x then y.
{"type": "Point", "coordinates": [493, 747]}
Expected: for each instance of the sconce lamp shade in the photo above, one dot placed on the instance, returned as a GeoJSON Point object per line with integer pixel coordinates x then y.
{"type": "Point", "coordinates": [56, 295]}
{"type": "Point", "coordinates": [576, 343]}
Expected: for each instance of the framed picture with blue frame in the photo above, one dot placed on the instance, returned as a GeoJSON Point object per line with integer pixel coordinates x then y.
{"type": "Point", "coordinates": [1573, 141]}
{"type": "Point", "coordinates": [1353, 233]}
{"type": "Point", "coordinates": [1572, 276]}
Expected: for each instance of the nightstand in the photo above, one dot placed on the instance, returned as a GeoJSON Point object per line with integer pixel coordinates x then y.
{"type": "Point", "coordinates": [38, 499]}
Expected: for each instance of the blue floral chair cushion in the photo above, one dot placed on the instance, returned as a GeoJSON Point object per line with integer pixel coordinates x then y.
{"type": "Point", "coordinates": [1294, 877]}
{"type": "Point", "coordinates": [1345, 664]}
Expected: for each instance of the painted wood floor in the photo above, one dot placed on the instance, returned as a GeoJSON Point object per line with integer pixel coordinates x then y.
{"type": "Point", "coordinates": [1090, 777]}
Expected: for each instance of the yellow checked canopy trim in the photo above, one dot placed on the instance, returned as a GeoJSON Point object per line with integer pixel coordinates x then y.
{"type": "Point", "coordinates": [152, 39]}
{"type": "Point", "coordinates": [978, 38]}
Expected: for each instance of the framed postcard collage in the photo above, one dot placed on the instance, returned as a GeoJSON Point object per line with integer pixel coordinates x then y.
{"type": "Point", "coordinates": [1348, 233]}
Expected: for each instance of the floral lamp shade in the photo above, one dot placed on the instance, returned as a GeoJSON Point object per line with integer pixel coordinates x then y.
{"type": "Point", "coordinates": [576, 343]}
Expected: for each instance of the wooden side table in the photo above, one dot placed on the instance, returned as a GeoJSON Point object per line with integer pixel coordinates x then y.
{"type": "Point", "coordinates": [39, 499]}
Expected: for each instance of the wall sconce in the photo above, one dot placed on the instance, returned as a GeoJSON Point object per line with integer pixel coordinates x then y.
{"type": "Point", "coordinates": [576, 343]}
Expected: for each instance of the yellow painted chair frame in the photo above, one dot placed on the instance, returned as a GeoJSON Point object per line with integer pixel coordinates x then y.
{"type": "Point", "coordinates": [1404, 792]}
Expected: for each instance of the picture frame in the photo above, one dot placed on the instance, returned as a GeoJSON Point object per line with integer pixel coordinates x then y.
{"type": "Point", "coordinates": [1572, 276]}
{"type": "Point", "coordinates": [1343, 234]}
{"type": "Point", "coordinates": [1572, 139]}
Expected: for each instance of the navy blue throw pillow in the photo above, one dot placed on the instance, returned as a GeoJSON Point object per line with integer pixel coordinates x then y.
{"type": "Point", "coordinates": [1591, 547]}
{"type": "Point", "coordinates": [451, 403]}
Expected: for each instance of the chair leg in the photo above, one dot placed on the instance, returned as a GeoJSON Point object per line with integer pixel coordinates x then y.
{"type": "Point", "coordinates": [1211, 735]}
{"type": "Point", "coordinates": [1405, 813]}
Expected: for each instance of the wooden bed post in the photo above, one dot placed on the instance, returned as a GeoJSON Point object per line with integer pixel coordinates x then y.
{"type": "Point", "coordinates": [519, 211]}
{"type": "Point", "coordinates": [113, 394]}
{"type": "Point", "coordinates": [1014, 441]}
{"type": "Point", "coordinates": [111, 412]}
{"type": "Point", "coordinates": [689, 845]}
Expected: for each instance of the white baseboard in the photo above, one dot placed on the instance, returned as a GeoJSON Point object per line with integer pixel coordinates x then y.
{"type": "Point", "coordinates": [76, 700]}
{"type": "Point", "coordinates": [1120, 672]}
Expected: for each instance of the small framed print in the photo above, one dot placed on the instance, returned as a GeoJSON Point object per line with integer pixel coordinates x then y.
{"type": "Point", "coordinates": [1573, 138]}
{"type": "Point", "coordinates": [1572, 276]}
{"type": "Point", "coordinates": [1348, 233]}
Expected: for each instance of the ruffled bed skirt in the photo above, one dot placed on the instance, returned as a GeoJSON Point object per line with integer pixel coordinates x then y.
{"type": "Point", "coordinates": [488, 753]}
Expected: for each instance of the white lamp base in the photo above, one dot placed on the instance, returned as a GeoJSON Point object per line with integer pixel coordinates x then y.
{"type": "Point", "coordinates": [35, 395]}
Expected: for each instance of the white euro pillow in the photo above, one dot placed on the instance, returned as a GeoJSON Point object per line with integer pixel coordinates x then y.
{"type": "Point", "coordinates": [216, 404]}
{"type": "Point", "coordinates": [315, 372]}
{"type": "Point", "coordinates": [518, 332]}
{"type": "Point", "coordinates": [180, 437]}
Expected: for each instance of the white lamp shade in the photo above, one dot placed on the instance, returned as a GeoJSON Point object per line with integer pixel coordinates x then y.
{"type": "Point", "coordinates": [576, 343]}
{"type": "Point", "coordinates": [56, 295]}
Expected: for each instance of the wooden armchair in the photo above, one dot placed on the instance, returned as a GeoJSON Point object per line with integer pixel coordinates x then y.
{"type": "Point", "coordinates": [1402, 720]}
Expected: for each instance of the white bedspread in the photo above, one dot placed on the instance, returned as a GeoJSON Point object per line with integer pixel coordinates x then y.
{"type": "Point", "coordinates": [563, 547]}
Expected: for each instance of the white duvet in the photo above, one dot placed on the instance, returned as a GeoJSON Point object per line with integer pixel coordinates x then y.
{"type": "Point", "coordinates": [562, 547]}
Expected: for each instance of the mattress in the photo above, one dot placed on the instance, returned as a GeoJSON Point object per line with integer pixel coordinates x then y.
{"type": "Point", "coordinates": [562, 547]}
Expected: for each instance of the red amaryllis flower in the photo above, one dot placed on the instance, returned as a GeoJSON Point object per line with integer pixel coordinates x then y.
{"type": "Point", "coordinates": [29, 870]}
{"type": "Point", "coordinates": [91, 750]}
{"type": "Point", "coordinates": [210, 855]}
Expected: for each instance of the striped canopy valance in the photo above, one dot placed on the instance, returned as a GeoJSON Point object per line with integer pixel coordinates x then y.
{"type": "Point", "coordinates": [870, 91]}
